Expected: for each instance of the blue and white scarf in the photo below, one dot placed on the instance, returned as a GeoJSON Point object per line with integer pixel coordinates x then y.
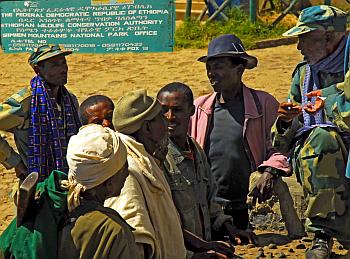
{"type": "Point", "coordinates": [334, 63]}
{"type": "Point", "coordinates": [50, 129]}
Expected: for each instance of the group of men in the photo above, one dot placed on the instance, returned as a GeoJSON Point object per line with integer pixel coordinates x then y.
{"type": "Point", "coordinates": [166, 176]}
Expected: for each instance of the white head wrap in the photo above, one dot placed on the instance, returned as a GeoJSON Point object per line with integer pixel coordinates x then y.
{"type": "Point", "coordinates": [94, 155]}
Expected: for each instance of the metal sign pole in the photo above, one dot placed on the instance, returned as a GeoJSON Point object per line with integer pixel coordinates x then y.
{"type": "Point", "coordinates": [188, 9]}
{"type": "Point", "coordinates": [252, 11]}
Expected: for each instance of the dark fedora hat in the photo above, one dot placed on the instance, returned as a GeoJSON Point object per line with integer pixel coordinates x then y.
{"type": "Point", "coordinates": [228, 45]}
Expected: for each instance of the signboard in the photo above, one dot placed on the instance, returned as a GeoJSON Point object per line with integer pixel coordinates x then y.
{"type": "Point", "coordinates": [100, 26]}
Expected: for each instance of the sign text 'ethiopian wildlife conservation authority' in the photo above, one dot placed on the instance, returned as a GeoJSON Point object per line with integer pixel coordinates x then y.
{"type": "Point", "coordinates": [102, 26]}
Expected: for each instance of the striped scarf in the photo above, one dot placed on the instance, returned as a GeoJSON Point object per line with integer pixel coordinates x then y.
{"type": "Point", "coordinates": [308, 86]}
{"type": "Point", "coordinates": [334, 63]}
{"type": "Point", "coordinates": [50, 129]}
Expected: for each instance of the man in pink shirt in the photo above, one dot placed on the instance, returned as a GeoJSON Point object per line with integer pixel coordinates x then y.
{"type": "Point", "coordinates": [233, 125]}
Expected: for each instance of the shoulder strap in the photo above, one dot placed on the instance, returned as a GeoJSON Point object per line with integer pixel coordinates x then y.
{"type": "Point", "coordinates": [257, 101]}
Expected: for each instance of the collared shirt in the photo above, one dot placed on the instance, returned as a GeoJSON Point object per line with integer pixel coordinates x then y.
{"type": "Point", "coordinates": [193, 189]}
{"type": "Point", "coordinates": [15, 118]}
{"type": "Point", "coordinates": [256, 128]}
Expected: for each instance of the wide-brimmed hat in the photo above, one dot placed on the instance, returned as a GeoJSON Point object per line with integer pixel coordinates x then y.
{"type": "Point", "coordinates": [47, 51]}
{"type": "Point", "coordinates": [229, 45]}
{"type": "Point", "coordinates": [132, 109]}
{"type": "Point", "coordinates": [319, 17]}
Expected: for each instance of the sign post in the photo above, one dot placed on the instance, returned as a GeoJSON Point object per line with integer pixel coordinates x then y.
{"type": "Point", "coordinates": [90, 26]}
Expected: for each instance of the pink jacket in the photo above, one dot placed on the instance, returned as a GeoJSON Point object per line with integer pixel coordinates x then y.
{"type": "Point", "coordinates": [256, 128]}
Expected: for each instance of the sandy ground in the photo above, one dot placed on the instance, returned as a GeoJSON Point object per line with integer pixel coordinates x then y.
{"type": "Point", "coordinates": [114, 75]}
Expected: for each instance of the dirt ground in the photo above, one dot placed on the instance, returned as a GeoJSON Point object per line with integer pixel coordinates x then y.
{"type": "Point", "coordinates": [116, 74]}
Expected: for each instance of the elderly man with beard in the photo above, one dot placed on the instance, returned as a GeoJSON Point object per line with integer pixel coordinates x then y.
{"type": "Point", "coordinates": [145, 201]}
{"type": "Point", "coordinates": [42, 117]}
{"type": "Point", "coordinates": [314, 124]}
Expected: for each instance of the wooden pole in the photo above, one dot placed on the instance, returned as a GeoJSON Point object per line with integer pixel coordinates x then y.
{"type": "Point", "coordinates": [204, 11]}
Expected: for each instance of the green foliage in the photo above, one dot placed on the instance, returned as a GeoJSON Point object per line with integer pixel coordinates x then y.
{"type": "Point", "coordinates": [193, 34]}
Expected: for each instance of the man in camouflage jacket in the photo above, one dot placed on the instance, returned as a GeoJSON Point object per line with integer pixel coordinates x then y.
{"type": "Point", "coordinates": [309, 127]}
{"type": "Point", "coordinates": [16, 115]}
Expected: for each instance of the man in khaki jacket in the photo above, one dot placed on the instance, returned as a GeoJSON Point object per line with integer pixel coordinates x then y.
{"type": "Point", "coordinates": [188, 173]}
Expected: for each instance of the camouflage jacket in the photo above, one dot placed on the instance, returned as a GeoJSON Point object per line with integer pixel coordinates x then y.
{"type": "Point", "coordinates": [282, 137]}
{"type": "Point", "coordinates": [15, 118]}
{"type": "Point", "coordinates": [341, 102]}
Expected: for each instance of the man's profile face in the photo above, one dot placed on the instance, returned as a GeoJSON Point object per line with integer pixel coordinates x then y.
{"type": "Point", "coordinates": [178, 111]}
{"type": "Point", "coordinates": [54, 70]}
{"type": "Point", "coordinates": [158, 128]}
{"type": "Point", "coordinates": [223, 74]}
{"type": "Point", "coordinates": [313, 46]}
{"type": "Point", "coordinates": [117, 181]}
{"type": "Point", "coordinates": [100, 113]}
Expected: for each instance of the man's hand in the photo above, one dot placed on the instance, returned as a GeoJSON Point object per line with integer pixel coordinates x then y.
{"type": "Point", "coordinates": [220, 247]}
{"type": "Point", "coordinates": [240, 236]}
{"type": "Point", "coordinates": [198, 245]}
{"type": "Point", "coordinates": [21, 171]}
{"type": "Point", "coordinates": [287, 111]}
{"type": "Point", "coordinates": [319, 102]}
{"type": "Point", "coordinates": [264, 188]}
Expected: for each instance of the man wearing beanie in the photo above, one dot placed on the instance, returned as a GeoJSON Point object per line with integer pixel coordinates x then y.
{"type": "Point", "coordinates": [316, 129]}
{"type": "Point", "coordinates": [97, 170]}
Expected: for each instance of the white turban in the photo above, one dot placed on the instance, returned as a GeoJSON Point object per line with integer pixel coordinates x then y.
{"type": "Point", "coordinates": [94, 155]}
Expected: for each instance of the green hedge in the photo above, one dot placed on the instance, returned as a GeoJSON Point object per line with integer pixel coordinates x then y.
{"type": "Point", "coordinates": [193, 34]}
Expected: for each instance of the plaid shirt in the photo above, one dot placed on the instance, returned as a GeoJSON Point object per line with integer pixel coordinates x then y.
{"type": "Point", "coordinates": [15, 118]}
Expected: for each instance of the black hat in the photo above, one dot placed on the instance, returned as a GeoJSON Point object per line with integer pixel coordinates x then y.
{"type": "Point", "coordinates": [228, 45]}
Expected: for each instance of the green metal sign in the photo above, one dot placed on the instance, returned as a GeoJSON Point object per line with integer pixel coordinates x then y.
{"type": "Point", "coordinates": [99, 26]}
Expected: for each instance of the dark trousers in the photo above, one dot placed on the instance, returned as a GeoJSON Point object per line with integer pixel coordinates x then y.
{"type": "Point", "coordinates": [240, 217]}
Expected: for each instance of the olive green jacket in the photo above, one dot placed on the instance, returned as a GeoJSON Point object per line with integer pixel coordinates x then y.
{"type": "Point", "coordinates": [96, 232]}
{"type": "Point", "coordinates": [193, 188]}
